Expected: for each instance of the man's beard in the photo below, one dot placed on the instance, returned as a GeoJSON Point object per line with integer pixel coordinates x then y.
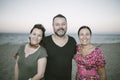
{"type": "Point", "coordinates": [60, 35]}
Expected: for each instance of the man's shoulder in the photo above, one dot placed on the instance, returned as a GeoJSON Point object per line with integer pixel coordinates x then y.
{"type": "Point", "coordinates": [71, 38]}
{"type": "Point", "coordinates": [47, 37]}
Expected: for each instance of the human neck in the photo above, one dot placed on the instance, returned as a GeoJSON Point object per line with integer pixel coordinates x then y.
{"type": "Point", "coordinates": [60, 41]}
{"type": "Point", "coordinates": [86, 46]}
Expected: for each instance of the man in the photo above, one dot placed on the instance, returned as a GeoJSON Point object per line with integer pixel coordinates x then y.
{"type": "Point", "coordinates": [61, 49]}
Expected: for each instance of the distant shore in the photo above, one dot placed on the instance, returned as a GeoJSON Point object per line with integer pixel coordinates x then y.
{"type": "Point", "coordinates": [111, 53]}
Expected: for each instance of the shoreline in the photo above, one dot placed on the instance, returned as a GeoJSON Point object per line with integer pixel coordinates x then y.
{"type": "Point", "coordinates": [111, 53]}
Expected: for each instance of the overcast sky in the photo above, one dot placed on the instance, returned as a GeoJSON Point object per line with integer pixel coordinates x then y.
{"type": "Point", "coordinates": [102, 16]}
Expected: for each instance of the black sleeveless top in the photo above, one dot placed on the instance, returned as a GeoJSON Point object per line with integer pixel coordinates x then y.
{"type": "Point", "coordinates": [59, 61]}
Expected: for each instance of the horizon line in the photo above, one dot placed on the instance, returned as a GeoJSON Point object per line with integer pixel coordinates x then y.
{"type": "Point", "coordinates": [53, 32]}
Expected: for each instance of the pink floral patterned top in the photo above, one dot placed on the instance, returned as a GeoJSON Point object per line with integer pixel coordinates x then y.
{"type": "Point", "coordinates": [87, 65]}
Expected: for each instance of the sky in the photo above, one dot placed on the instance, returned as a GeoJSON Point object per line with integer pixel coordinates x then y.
{"type": "Point", "coordinates": [102, 16]}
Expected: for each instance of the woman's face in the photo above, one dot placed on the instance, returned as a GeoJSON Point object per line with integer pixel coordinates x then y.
{"type": "Point", "coordinates": [84, 36]}
{"type": "Point", "coordinates": [36, 36]}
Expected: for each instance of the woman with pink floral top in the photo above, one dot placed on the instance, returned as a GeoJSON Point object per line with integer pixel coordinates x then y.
{"type": "Point", "coordinates": [90, 60]}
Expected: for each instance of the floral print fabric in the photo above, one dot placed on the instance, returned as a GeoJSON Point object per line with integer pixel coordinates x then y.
{"type": "Point", "coordinates": [87, 65]}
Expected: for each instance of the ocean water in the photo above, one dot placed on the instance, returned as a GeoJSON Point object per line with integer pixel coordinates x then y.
{"type": "Point", "coordinates": [18, 38]}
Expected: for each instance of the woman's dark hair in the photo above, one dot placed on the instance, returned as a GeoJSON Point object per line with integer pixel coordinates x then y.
{"type": "Point", "coordinates": [83, 27]}
{"type": "Point", "coordinates": [39, 26]}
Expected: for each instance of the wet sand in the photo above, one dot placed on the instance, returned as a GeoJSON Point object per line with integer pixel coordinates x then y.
{"type": "Point", "coordinates": [111, 53]}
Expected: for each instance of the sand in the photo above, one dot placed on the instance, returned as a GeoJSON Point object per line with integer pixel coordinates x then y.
{"type": "Point", "coordinates": [111, 53]}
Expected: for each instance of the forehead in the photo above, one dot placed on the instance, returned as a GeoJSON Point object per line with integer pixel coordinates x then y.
{"type": "Point", "coordinates": [84, 30]}
{"type": "Point", "coordinates": [57, 19]}
{"type": "Point", "coordinates": [37, 30]}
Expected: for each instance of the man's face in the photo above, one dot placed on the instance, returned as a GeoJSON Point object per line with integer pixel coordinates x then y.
{"type": "Point", "coordinates": [60, 26]}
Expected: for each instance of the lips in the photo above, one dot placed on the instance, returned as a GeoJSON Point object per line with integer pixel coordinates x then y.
{"type": "Point", "coordinates": [61, 29]}
{"type": "Point", "coordinates": [34, 40]}
{"type": "Point", "coordinates": [84, 40]}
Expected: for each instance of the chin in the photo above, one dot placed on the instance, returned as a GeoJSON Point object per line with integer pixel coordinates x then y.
{"type": "Point", "coordinates": [34, 43]}
{"type": "Point", "coordinates": [84, 44]}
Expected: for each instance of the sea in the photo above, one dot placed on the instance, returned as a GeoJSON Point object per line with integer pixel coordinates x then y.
{"type": "Point", "coordinates": [19, 38]}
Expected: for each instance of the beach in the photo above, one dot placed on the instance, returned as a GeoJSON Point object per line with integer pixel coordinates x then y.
{"type": "Point", "coordinates": [111, 54]}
